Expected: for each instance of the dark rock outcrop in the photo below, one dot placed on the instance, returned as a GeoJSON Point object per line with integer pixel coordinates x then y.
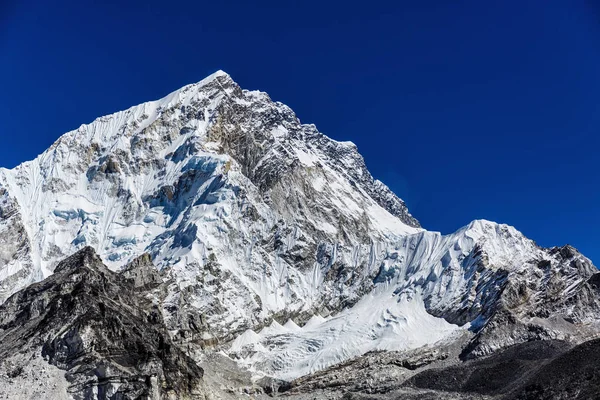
{"type": "Point", "coordinates": [535, 370]}
{"type": "Point", "coordinates": [93, 324]}
{"type": "Point", "coordinates": [551, 299]}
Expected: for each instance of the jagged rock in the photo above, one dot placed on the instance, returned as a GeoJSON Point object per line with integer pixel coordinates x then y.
{"type": "Point", "coordinates": [143, 273]}
{"type": "Point", "coordinates": [91, 323]}
{"type": "Point", "coordinates": [562, 303]}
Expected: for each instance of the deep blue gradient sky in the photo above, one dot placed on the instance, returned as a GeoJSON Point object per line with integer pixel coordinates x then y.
{"type": "Point", "coordinates": [475, 109]}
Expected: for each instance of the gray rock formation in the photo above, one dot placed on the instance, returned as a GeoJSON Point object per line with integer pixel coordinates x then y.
{"type": "Point", "coordinates": [110, 341]}
{"type": "Point", "coordinates": [143, 273]}
{"type": "Point", "coordinates": [554, 298]}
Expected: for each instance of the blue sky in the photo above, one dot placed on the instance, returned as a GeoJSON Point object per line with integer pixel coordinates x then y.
{"type": "Point", "coordinates": [475, 109]}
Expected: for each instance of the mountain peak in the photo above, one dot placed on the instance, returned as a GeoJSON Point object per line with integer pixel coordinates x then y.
{"type": "Point", "coordinates": [85, 257]}
{"type": "Point", "coordinates": [217, 74]}
{"type": "Point", "coordinates": [166, 176]}
{"type": "Point", "coordinates": [212, 77]}
{"type": "Point", "coordinates": [251, 217]}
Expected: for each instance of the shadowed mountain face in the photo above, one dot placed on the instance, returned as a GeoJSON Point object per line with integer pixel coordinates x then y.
{"type": "Point", "coordinates": [91, 323]}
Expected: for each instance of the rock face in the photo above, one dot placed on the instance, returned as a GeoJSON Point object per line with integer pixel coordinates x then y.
{"type": "Point", "coordinates": [553, 297]}
{"type": "Point", "coordinates": [142, 273]}
{"type": "Point", "coordinates": [259, 235]}
{"type": "Point", "coordinates": [91, 323]}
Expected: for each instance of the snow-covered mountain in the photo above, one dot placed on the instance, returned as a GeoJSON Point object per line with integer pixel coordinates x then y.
{"type": "Point", "coordinates": [253, 211]}
{"type": "Point", "coordinates": [273, 237]}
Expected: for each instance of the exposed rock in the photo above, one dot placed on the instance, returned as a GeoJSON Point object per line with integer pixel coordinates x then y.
{"type": "Point", "coordinates": [561, 303]}
{"type": "Point", "coordinates": [533, 370]}
{"type": "Point", "coordinates": [143, 273]}
{"type": "Point", "coordinates": [90, 322]}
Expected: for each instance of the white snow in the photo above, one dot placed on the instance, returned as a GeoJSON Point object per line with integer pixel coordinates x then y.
{"type": "Point", "coordinates": [247, 338]}
{"type": "Point", "coordinates": [291, 326]}
{"type": "Point", "coordinates": [314, 321]}
{"type": "Point", "coordinates": [379, 321]}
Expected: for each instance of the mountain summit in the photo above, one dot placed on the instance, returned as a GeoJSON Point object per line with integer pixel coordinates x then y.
{"type": "Point", "coordinates": [209, 174]}
{"type": "Point", "coordinates": [262, 237]}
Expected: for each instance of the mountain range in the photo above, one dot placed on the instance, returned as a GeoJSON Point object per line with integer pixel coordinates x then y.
{"type": "Point", "coordinates": [210, 245]}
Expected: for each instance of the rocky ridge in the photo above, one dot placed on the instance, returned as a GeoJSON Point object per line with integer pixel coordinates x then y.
{"type": "Point", "coordinates": [90, 322]}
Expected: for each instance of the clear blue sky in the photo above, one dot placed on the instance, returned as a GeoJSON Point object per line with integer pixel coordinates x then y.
{"type": "Point", "coordinates": [479, 109]}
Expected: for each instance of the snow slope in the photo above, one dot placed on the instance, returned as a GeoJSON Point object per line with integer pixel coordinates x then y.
{"type": "Point", "coordinates": [381, 320]}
